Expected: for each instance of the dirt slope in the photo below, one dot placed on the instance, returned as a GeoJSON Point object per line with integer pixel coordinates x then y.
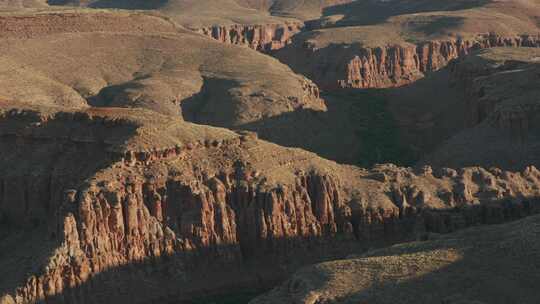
{"type": "Point", "coordinates": [490, 264]}
{"type": "Point", "coordinates": [151, 187]}
{"type": "Point", "coordinates": [223, 12]}
{"type": "Point", "coordinates": [214, 83]}
{"type": "Point", "coordinates": [374, 44]}
{"type": "Point", "coordinates": [501, 95]}
{"type": "Point", "coordinates": [110, 192]}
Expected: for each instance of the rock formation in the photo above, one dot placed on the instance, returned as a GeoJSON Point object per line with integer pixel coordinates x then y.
{"type": "Point", "coordinates": [386, 66]}
{"type": "Point", "coordinates": [264, 38]}
{"type": "Point", "coordinates": [214, 197]}
{"type": "Point", "coordinates": [501, 110]}
{"type": "Point", "coordinates": [455, 268]}
{"type": "Point", "coordinates": [109, 194]}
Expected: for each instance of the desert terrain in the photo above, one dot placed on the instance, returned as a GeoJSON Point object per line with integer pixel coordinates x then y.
{"type": "Point", "coordinates": [269, 151]}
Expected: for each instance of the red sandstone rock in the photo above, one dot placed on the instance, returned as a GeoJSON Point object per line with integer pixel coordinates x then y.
{"type": "Point", "coordinates": [386, 66]}
{"type": "Point", "coordinates": [117, 224]}
{"type": "Point", "coordinates": [265, 38]}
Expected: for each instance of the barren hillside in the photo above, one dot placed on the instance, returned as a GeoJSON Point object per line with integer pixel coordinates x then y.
{"type": "Point", "coordinates": [204, 151]}
{"type": "Point", "coordinates": [493, 264]}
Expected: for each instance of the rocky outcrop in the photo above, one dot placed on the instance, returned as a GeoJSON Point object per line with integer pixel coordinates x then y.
{"type": "Point", "coordinates": [490, 89]}
{"type": "Point", "coordinates": [232, 217]}
{"type": "Point", "coordinates": [500, 110]}
{"type": "Point", "coordinates": [110, 224]}
{"type": "Point", "coordinates": [386, 66]}
{"type": "Point", "coordinates": [126, 222]}
{"type": "Point", "coordinates": [264, 37]}
{"type": "Point", "coordinates": [176, 207]}
{"type": "Point", "coordinates": [235, 216]}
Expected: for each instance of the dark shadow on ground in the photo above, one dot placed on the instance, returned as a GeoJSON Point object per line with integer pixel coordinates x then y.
{"type": "Point", "coordinates": [367, 126]}
{"type": "Point", "coordinates": [357, 129]}
{"type": "Point", "coordinates": [131, 94]}
{"type": "Point", "coordinates": [213, 104]}
{"type": "Point", "coordinates": [428, 111]}
{"type": "Point", "coordinates": [204, 275]}
{"type": "Point", "coordinates": [34, 175]}
{"type": "Point", "coordinates": [373, 12]}
{"type": "Point", "coordinates": [495, 265]}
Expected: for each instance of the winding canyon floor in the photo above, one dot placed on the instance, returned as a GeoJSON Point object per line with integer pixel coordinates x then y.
{"type": "Point", "coordinates": [203, 151]}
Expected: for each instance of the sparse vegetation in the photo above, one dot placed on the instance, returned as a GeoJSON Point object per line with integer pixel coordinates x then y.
{"type": "Point", "coordinates": [375, 128]}
{"type": "Point", "coordinates": [491, 264]}
{"type": "Point", "coordinates": [149, 153]}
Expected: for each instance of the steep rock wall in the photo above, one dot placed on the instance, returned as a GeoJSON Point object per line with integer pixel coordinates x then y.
{"type": "Point", "coordinates": [385, 66]}
{"type": "Point", "coordinates": [264, 37]}
{"type": "Point", "coordinates": [235, 217]}
{"type": "Point", "coordinates": [157, 205]}
{"type": "Point", "coordinates": [108, 228]}
{"type": "Point", "coordinates": [501, 110]}
{"type": "Point", "coordinates": [491, 90]}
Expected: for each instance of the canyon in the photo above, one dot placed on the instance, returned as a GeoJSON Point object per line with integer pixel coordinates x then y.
{"type": "Point", "coordinates": [388, 66]}
{"type": "Point", "coordinates": [499, 115]}
{"type": "Point", "coordinates": [265, 38]}
{"type": "Point", "coordinates": [177, 150]}
{"type": "Point", "coordinates": [173, 202]}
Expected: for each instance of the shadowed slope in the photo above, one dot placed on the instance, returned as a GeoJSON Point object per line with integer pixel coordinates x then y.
{"type": "Point", "coordinates": [491, 264]}
{"type": "Point", "coordinates": [373, 44]}
{"type": "Point", "coordinates": [222, 12]}
{"type": "Point", "coordinates": [78, 62]}
{"type": "Point", "coordinates": [192, 13]}
{"type": "Point", "coordinates": [418, 20]}
{"type": "Point", "coordinates": [110, 187]}
{"type": "Point", "coordinates": [502, 108]}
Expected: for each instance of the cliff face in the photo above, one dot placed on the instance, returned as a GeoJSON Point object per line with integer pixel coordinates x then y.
{"type": "Point", "coordinates": [501, 110]}
{"type": "Point", "coordinates": [264, 37]}
{"type": "Point", "coordinates": [490, 88]}
{"type": "Point", "coordinates": [110, 224]}
{"type": "Point", "coordinates": [132, 212]}
{"type": "Point", "coordinates": [146, 203]}
{"type": "Point", "coordinates": [126, 222]}
{"type": "Point", "coordinates": [388, 66]}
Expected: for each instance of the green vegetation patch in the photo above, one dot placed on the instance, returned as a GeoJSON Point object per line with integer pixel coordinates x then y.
{"type": "Point", "coordinates": [376, 129]}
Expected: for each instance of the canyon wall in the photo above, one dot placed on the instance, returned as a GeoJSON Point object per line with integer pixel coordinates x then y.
{"type": "Point", "coordinates": [491, 88]}
{"type": "Point", "coordinates": [260, 37]}
{"type": "Point", "coordinates": [386, 66]}
{"type": "Point", "coordinates": [500, 110]}
{"type": "Point", "coordinates": [351, 66]}
{"type": "Point", "coordinates": [115, 223]}
{"type": "Point", "coordinates": [126, 214]}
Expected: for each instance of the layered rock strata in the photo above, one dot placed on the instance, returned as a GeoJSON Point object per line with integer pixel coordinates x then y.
{"type": "Point", "coordinates": [213, 200]}
{"type": "Point", "coordinates": [489, 85]}
{"type": "Point", "coordinates": [501, 110]}
{"type": "Point", "coordinates": [121, 222]}
{"type": "Point", "coordinates": [263, 37]}
{"type": "Point", "coordinates": [386, 66]}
